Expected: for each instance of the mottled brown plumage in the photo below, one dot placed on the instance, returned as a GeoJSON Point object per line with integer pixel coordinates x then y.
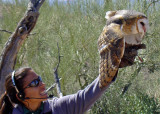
{"type": "Point", "coordinates": [119, 42]}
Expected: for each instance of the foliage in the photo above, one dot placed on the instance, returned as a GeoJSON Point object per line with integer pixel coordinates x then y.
{"type": "Point", "coordinates": [76, 26]}
{"type": "Point", "coordinates": [132, 103]}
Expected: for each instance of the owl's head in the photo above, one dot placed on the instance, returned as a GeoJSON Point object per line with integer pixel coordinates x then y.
{"type": "Point", "coordinates": [133, 24]}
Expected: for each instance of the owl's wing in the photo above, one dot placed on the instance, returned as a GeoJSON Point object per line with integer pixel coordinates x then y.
{"type": "Point", "coordinates": [111, 47]}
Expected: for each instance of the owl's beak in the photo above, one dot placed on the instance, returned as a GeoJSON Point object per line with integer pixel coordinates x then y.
{"type": "Point", "coordinates": [144, 25]}
{"type": "Point", "coordinates": [144, 28]}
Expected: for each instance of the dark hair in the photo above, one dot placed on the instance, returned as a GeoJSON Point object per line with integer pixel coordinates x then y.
{"type": "Point", "coordinates": [9, 99]}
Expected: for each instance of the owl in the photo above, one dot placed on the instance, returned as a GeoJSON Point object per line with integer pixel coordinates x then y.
{"type": "Point", "coordinates": [119, 42]}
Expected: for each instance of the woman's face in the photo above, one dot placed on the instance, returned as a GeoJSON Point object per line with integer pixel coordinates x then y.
{"type": "Point", "coordinates": [31, 91]}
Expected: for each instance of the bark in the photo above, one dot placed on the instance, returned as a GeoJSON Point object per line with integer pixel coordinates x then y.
{"type": "Point", "coordinates": [12, 46]}
{"type": "Point", "coordinates": [58, 85]}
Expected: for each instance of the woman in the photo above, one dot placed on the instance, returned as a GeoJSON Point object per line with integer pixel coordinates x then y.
{"type": "Point", "coordinates": [26, 93]}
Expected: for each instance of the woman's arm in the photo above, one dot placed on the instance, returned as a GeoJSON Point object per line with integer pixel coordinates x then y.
{"type": "Point", "coordinates": [81, 101]}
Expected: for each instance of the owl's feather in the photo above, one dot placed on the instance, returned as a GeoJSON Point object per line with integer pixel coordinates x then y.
{"type": "Point", "coordinates": [111, 48]}
{"type": "Point", "coordinates": [119, 42]}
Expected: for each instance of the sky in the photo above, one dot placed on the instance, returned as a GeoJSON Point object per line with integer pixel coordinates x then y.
{"type": "Point", "coordinates": [50, 1]}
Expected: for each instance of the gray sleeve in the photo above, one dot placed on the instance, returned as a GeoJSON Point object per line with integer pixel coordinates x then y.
{"type": "Point", "coordinates": [81, 101]}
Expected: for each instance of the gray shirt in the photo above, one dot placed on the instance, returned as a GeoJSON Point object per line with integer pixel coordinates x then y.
{"type": "Point", "coordinates": [71, 104]}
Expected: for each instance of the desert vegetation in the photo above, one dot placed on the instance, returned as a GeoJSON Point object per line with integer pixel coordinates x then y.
{"type": "Point", "coordinates": [76, 26]}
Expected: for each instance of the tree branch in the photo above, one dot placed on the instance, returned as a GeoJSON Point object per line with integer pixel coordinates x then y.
{"type": "Point", "coordinates": [153, 2]}
{"type": "Point", "coordinates": [56, 75]}
{"type": "Point", "coordinates": [24, 27]}
{"type": "Point", "coordinates": [3, 30]}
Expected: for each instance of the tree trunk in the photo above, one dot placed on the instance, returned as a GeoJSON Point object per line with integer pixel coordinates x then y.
{"type": "Point", "coordinates": [9, 53]}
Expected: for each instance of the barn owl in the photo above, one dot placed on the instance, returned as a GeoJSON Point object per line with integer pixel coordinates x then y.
{"type": "Point", "coordinates": [119, 42]}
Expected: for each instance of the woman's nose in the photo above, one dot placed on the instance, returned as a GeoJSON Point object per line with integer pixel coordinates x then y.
{"type": "Point", "coordinates": [42, 83]}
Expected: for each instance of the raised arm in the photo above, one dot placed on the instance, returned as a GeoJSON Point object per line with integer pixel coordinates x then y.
{"type": "Point", "coordinates": [80, 102]}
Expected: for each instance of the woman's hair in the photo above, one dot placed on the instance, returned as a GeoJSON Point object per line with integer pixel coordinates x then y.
{"type": "Point", "coordinates": [9, 99]}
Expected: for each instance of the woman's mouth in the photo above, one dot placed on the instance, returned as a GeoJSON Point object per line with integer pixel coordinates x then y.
{"type": "Point", "coordinates": [43, 93]}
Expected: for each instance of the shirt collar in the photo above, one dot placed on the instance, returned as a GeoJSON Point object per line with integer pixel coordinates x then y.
{"type": "Point", "coordinates": [38, 111]}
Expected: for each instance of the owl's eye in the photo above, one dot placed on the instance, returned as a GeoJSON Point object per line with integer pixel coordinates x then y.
{"type": "Point", "coordinates": [119, 21]}
{"type": "Point", "coordinates": [142, 23]}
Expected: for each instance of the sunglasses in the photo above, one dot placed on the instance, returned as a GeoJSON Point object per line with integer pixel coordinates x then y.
{"type": "Point", "coordinates": [34, 83]}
